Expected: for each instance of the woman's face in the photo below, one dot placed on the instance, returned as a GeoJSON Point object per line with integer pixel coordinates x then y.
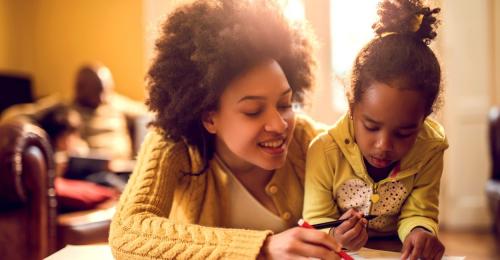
{"type": "Point", "coordinates": [386, 123]}
{"type": "Point", "coordinates": [254, 123]}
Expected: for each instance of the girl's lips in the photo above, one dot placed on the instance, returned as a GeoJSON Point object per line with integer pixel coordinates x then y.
{"type": "Point", "coordinates": [380, 163]}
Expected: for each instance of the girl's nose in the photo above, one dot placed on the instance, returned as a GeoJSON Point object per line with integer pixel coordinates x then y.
{"type": "Point", "coordinates": [384, 143]}
{"type": "Point", "coordinates": [276, 123]}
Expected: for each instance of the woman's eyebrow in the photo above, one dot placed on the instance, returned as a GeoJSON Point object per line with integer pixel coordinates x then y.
{"type": "Point", "coordinates": [262, 97]}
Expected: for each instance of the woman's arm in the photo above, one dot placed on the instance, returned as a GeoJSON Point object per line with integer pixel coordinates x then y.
{"type": "Point", "coordinates": [141, 229]}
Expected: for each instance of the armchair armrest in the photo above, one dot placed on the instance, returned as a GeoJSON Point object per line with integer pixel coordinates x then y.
{"type": "Point", "coordinates": [27, 195]}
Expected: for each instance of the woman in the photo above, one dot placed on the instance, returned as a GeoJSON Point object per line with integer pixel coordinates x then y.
{"type": "Point", "coordinates": [222, 173]}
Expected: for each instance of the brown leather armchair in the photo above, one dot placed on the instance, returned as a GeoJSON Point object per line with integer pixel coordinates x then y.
{"type": "Point", "coordinates": [30, 227]}
{"type": "Point", "coordinates": [27, 195]}
{"type": "Point", "coordinates": [493, 185]}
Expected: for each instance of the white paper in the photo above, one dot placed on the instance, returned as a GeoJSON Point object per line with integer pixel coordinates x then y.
{"type": "Point", "coordinates": [372, 254]}
{"type": "Point", "coordinates": [85, 252]}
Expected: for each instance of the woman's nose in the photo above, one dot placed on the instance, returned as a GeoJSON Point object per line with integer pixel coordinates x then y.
{"type": "Point", "coordinates": [276, 123]}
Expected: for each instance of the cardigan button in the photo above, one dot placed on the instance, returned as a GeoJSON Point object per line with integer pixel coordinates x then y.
{"type": "Point", "coordinates": [286, 215]}
{"type": "Point", "coordinates": [273, 189]}
{"type": "Point", "coordinates": [375, 198]}
{"type": "Point", "coordinates": [346, 141]}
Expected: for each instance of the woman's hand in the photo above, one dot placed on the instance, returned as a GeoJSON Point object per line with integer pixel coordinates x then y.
{"type": "Point", "coordinates": [351, 233]}
{"type": "Point", "coordinates": [297, 243]}
{"type": "Point", "coordinates": [421, 243]}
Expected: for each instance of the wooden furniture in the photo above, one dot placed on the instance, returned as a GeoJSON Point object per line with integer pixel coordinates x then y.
{"type": "Point", "coordinates": [27, 196]}
{"type": "Point", "coordinates": [390, 243]}
{"type": "Point", "coordinates": [493, 184]}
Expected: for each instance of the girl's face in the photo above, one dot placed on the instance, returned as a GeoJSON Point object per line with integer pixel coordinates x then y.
{"type": "Point", "coordinates": [387, 120]}
{"type": "Point", "coordinates": [254, 123]}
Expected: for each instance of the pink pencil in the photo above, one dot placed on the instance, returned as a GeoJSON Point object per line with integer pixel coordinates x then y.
{"type": "Point", "coordinates": [342, 254]}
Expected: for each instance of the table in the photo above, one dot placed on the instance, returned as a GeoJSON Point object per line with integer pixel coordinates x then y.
{"type": "Point", "coordinates": [104, 252]}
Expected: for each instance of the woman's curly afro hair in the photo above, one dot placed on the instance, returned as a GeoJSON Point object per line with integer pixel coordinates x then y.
{"type": "Point", "coordinates": [206, 44]}
{"type": "Point", "coordinates": [400, 53]}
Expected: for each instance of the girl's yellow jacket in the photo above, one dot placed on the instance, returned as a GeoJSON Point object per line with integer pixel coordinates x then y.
{"type": "Point", "coordinates": [337, 179]}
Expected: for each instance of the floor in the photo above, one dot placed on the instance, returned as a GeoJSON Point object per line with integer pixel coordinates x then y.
{"type": "Point", "coordinates": [480, 245]}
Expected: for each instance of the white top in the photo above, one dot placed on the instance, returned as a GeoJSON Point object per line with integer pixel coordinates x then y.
{"type": "Point", "coordinates": [244, 210]}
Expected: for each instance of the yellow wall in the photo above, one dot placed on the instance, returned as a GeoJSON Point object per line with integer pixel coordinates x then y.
{"type": "Point", "coordinates": [70, 33]}
{"type": "Point", "coordinates": [496, 46]}
{"type": "Point", "coordinates": [50, 39]}
{"type": "Point", "coordinates": [17, 36]}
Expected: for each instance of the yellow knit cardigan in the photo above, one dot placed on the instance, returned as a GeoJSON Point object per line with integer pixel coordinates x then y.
{"type": "Point", "coordinates": [164, 214]}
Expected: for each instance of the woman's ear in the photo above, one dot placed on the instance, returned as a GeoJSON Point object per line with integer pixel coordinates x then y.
{"type": "Point", "coordinates": [208, 122]}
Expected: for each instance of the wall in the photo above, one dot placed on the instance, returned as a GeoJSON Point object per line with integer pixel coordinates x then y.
{"type": "Point", "coordinates": [70, 33]}
{"type": "Point", "coordinates": [320, 105]}
{"type": "Point", "coordinates": [496, 46]}
{"type": "Point", "coordinates": [50, 39]}
{"type": "Point", "coordinates": [466, 48]}
{"type": "Point", "coordinates": [17, 36]}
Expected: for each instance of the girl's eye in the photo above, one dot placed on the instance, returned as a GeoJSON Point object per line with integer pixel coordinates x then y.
{"type": "Point", "coordinates": [371, 129]}
{"type": "Point", "coordinates": [403, 135]}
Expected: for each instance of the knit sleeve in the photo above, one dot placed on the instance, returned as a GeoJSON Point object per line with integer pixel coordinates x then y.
{"type": "Point", "coordinates": [141, 229]}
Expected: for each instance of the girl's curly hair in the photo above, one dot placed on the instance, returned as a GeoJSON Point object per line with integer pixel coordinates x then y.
{"type": "Point", "coordinates": [400, 52]}
{"type": "Point", "coordinates": [206, 44]}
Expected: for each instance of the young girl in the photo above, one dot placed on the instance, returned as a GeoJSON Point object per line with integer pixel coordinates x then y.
{"type": "Point", "coordinates": [385, 157]}
{"type": "Point", "coordinates": [62, 125]}
{"type": "Point", "coordinates": [222, 174]}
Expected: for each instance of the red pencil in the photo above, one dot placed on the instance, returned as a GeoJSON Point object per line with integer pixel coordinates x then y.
{"type": "Point", "coordinates": [341, 253]}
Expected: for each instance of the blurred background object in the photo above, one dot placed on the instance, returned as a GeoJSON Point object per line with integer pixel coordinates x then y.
{"type": "Point", "coordinates": [15, 89]}
{"type": "Point", "coordinates": [493, 184]}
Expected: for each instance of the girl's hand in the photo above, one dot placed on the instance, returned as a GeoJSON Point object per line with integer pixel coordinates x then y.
{"type": "Point", "coordinates": [297, 243]}
{"type": "Point", "coordinates": [351, 233]}
{"type": "Point", "coordinates": [421, 243]}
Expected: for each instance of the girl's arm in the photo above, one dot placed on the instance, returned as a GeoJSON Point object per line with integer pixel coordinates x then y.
{"type": "Point", "coordinates": [319, 204]}
{"type": "Point", "coordinates": [141, 229]}
{"type": "Point", "coordinates": [421, 206]}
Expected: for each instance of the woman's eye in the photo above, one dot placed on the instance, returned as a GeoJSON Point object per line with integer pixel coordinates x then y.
{"type": "Point", "coordinates": [285, 106]}
{"type": "Point", "coordinates": [252, 113]}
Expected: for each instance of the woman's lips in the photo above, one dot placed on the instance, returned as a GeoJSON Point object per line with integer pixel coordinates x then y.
{"type": "Point", "coordinates": [275, 147]}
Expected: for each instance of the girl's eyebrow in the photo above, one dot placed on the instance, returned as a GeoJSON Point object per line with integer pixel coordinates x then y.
{"type": "Point", "coordinates": [262, 97]}
{"type": "Point", "coordinates": [373, 121]}
{"type": "Point", "coordinates": [409, 127]}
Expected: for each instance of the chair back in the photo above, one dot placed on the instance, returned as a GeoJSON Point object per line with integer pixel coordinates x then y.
{"type": "Point", "coordinates": [15, 89]}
